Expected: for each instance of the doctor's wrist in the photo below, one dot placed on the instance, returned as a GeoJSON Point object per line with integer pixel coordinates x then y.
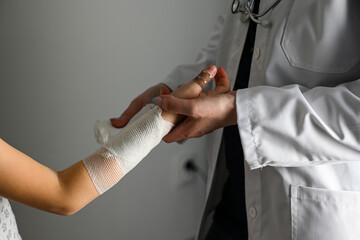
{"type": "Point", "coordinates": [231, 117]}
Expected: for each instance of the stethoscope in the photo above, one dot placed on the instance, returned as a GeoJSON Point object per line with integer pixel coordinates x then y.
{"type": "Point", "coordinates": [247, 10]}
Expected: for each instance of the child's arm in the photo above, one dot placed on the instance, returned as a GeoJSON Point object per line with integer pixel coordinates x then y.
{"type": "Point", "coordinates": [24, 180]}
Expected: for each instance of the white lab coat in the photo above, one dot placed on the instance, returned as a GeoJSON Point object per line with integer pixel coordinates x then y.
{"type": "Point", "coordinates": [299, 120]}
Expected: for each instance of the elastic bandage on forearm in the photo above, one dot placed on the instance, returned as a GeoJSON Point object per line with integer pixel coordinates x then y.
{"type": "Point", "coordinates": [126, 149]}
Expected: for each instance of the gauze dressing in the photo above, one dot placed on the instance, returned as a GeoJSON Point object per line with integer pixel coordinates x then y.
{"type": "Point", "coordinates": [125, 148]}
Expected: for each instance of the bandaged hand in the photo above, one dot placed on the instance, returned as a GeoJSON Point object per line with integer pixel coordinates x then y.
{"type": "Point", "coordinates": [123, 151]}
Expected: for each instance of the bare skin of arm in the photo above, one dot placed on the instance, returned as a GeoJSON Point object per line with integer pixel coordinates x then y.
{"type": "Point", "coordinates": [26, 181]}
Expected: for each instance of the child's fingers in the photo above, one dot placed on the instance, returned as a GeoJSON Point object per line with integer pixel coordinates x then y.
{"type": "Point", "coordinates": [205, 76]}
{"type": "Point", "coordinates": [222, 81]}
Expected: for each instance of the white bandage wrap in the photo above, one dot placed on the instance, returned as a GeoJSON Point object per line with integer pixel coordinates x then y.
{"type": "Point", "coordinates": [125, 150]}
{"type": "Point", "coordinates": [103, 169]}
{"type": "Point", "coordinates": [104, 131]}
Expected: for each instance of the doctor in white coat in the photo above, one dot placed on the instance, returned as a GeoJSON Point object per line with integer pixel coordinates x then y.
{"type": "Point", "coordinates": [298, 120]}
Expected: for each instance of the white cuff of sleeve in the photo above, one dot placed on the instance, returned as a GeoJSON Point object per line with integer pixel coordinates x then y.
{"type": "Point", "coordinates": [247, 128]}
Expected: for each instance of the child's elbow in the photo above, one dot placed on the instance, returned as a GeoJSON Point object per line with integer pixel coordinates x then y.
{"type": "Point", "coordinates": [67, 209]}
{"type": "Point", "coordinates": [67, 212]}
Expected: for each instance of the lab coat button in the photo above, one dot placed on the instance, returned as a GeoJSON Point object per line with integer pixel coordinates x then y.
{"type": "Point", "coordinates": [257, 53]}
{"type": "Point", "coordinates": [252, 212]}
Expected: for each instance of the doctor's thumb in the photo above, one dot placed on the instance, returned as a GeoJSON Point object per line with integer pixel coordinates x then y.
{"type": "Point", "coordinates": [175, 105]}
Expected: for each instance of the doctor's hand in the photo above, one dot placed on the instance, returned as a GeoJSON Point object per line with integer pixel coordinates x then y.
{"type": "Point", "coordinates": [138, 103]}
{"type": "Point", "coordinates": [212, 110]}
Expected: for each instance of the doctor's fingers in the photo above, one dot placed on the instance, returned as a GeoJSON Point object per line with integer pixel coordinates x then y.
{"type": "Point", "coordinates": [222, 82]}
{"type": "Point", "coordinates": [176, 105]}
{"type": "Point", "coordinates": [189, 128]}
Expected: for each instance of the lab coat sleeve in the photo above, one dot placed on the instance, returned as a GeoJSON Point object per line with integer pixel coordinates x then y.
{"type": "Point", "coordinates": [295, 126]}
{"type": "Point", "coordinates": [207, 56]}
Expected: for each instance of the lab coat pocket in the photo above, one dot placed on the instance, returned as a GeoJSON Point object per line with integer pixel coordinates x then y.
{"type": "Point", "coordinates": [322, 36]}
{"type": "Point", "coordinates": [324, 214]}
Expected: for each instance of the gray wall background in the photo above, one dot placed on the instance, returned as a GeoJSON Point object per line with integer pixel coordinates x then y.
{"type": "Point", "coordinates": [65, 64]}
